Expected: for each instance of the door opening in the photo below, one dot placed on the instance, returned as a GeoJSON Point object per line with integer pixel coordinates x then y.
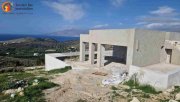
{"type": "Point", "coordinates": [168, 55]}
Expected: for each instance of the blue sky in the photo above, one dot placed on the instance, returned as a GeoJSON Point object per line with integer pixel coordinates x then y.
{"type": "Point", "coordinates": [62, 15]}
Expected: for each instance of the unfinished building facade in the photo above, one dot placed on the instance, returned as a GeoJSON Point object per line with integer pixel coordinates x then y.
{"type": "Point", "coordinates": [131, 47]}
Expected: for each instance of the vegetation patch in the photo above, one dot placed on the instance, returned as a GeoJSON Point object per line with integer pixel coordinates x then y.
{"type": "Point", "coordinates": [33, 93]}
{"type": "Point", "coordinates": [81, 100]}
{"type": "Point", "coordinates": [62, 70]}
{"type": "Point", "coordinates": [10, 80]}
{"type": "Point", "coordinates": [32, 87]}
{"type": "Point", "coordinates": [114, 88]}
{"type": "Point", "coordinates": [176, 89]}
{"type": "Point", "coordinates": [134, 84]}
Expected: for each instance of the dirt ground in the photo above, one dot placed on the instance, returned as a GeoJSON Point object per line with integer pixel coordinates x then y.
{"type": "Point", "coordinates": [79, 85]}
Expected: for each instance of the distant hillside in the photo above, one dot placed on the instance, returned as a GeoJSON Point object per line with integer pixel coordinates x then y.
{"type": "Point", "coordinates": [29, 39]}
{"type": "Point", "coordinates": [70, 32]}
{"type": "Point", "coordinates": [30, 51]}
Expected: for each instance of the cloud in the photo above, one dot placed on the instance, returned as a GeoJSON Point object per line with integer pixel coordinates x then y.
{"type": "Point", "coordinates": [164, 11]}
{"type": "Point", "coordinates": [117, 3]}
{"type": "Point", "coordinates": [164, 18]}
{"type": "Point", "coordinates": [69, 11]}
{"type": "Point", "coordinates": [101, 26]}
{"type": "Point", "coordinates": [141, 23]}
{"type": "Point", "coordinates": [120, 23]}
{"type": "Point", "coordinates": [164, 26]}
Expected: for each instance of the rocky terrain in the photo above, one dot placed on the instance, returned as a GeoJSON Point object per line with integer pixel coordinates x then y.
{"type": "Point", "coordinates": [83, 86]}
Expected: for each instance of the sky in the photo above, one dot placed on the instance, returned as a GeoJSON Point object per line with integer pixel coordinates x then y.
{"type": "Point", "coordinates": [63, 15]}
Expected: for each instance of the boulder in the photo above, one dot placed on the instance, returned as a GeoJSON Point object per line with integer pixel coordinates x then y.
{"type": "Point", "coordinates": [165, 93]}
{"type": "Point", "coordinates": [177, 97]}
{"type": "Point", "coordinates": [123, 86]}
{"type": "Point", "coordinates": [170, 89]}
{"type": "Point", "coordinates": [21, 93]}
{"type": "Point", "coordinates": [173, 101]}
{"type": "Point", "coordinates": [125, 94]}
{"type": "Point", "coordinates": [12, 95]}
{"type": "Point", "coordinates": [10, 91]}
{"type": "Point", "coordinates": [137, 91]}
{"type": "Point", "coordinates": [20, 89]}
{"type": "Point", "coordinates": [135, 99]}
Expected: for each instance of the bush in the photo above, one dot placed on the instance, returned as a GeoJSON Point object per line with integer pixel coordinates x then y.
{"type": "Point", "coordinates": [114, 88]}
{"type": "Point", "coordinates": [148, 89]}
{"type": "Point", "coordinates": [34, 93]}
{"type": "Point", "coordinates": [81, 100]}
{"type": "Point", "coordinates": [9, 80]}
{"type": "Point", "coordinates": [177, 89]}
{"type": "Point", "coordinates": [134, 83]}
{"type": "Point", "coordinates": [62, 70]}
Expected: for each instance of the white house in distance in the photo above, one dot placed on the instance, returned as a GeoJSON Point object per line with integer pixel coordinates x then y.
{"type": "Point", "coordinates": [154, 55]}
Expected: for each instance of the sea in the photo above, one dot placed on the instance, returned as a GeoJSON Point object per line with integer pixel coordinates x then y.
{"type": "Point", "coordinates": [4, 37]}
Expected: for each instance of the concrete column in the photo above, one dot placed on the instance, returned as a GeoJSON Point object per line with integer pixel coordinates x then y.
{"type": "Point", "coordinates": [91, 53]}
{"type": "Point", "coordinates": [82, 51]}
{"type": "Point", "coordinates": [100, 55]}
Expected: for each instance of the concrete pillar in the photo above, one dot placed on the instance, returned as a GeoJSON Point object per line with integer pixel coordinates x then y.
{"type": "Point", "coordinates": [100, 55]}
{"type": "Point", "coordinates": [82, 51]}
{"type": "Point", "coordinates": [91, 53]}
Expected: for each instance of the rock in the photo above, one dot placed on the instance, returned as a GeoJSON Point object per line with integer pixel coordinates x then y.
{"type": "Point", "coordinates": [12, 95]}
{"type": "Point", "coordinates": [34, 84]}
{"type": "Point", "coordinates": [136, 91]}
{"type": "Point", "coordinates": [10, 91]}
{"type": "Point", "coordinates": [177, 97]}
{"type": "Point", "coordinates": [123, 86]}
{"type": "Point", "coordinates": [36, 81]}
{"type": "Point", "coordinates": [135, 100]}
{"type": "Point", "coordinates": [21, 93]}
{"type": "Point", "coordinates": [20, 89]}
{"type": "Point", "coordinates": [172, 101]}
{"type": "Point", "coordinates": [165, 93]}
{"type": "Point", "coordinates": [170, 89]}
{"type": "Point", "coordinates": [125, 94]}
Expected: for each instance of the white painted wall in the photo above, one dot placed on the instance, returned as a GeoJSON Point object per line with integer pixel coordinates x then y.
{"type": "Point", "coordinates": [53, 63]}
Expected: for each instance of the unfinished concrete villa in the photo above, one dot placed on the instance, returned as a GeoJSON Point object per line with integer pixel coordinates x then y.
{"type": "Point", "coordinates": [153, 55]}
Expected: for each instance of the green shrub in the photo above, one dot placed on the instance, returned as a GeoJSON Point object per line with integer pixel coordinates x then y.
{"type": "Point", "coordinates": [62, 70]}
{"type": "Point", "coordinates": [34, 93]}
{"type": "Point", "coordinates": [134, 83]}
{"type": "Point", "coordinates": [81, 100]}
{"type": "Point", "coordinates": [114, 88]}
{"type": "Point", "coordinates": [147, 89]}
{"type": "Point", "coordinates": [177, 89]}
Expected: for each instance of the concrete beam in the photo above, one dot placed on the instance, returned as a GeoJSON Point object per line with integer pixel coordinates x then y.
{"type": "Point", "coordinates": [100, 55]}
{"type": "Point", "coordinates": [91, 53]}
{"type": "Point", "coordinates": [82, 51]}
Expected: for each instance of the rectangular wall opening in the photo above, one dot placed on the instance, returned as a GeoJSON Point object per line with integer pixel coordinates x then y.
{"type": "Point", "coordinates": [168, 55]}
{"type": "Point", "coordinates": [116, 54]}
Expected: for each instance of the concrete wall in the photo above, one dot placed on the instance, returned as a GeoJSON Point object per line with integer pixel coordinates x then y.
{"type": "Point", "coordinates": [119, 37]}
{"type": "Point", "coordinates": [173, 78]}
{"type": "Point", "coordinates": [158, 80]}
{"type": "Point", "coordinates": [147, 47]}
{"type": "Point", "coordinates": [174, 36]}
{"type": "Point", "coordinates": [84, 38]}
{"type": "Point", "coordinates": [53, 63]}
{"type": "Point", "coordinates": [175, 59]}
